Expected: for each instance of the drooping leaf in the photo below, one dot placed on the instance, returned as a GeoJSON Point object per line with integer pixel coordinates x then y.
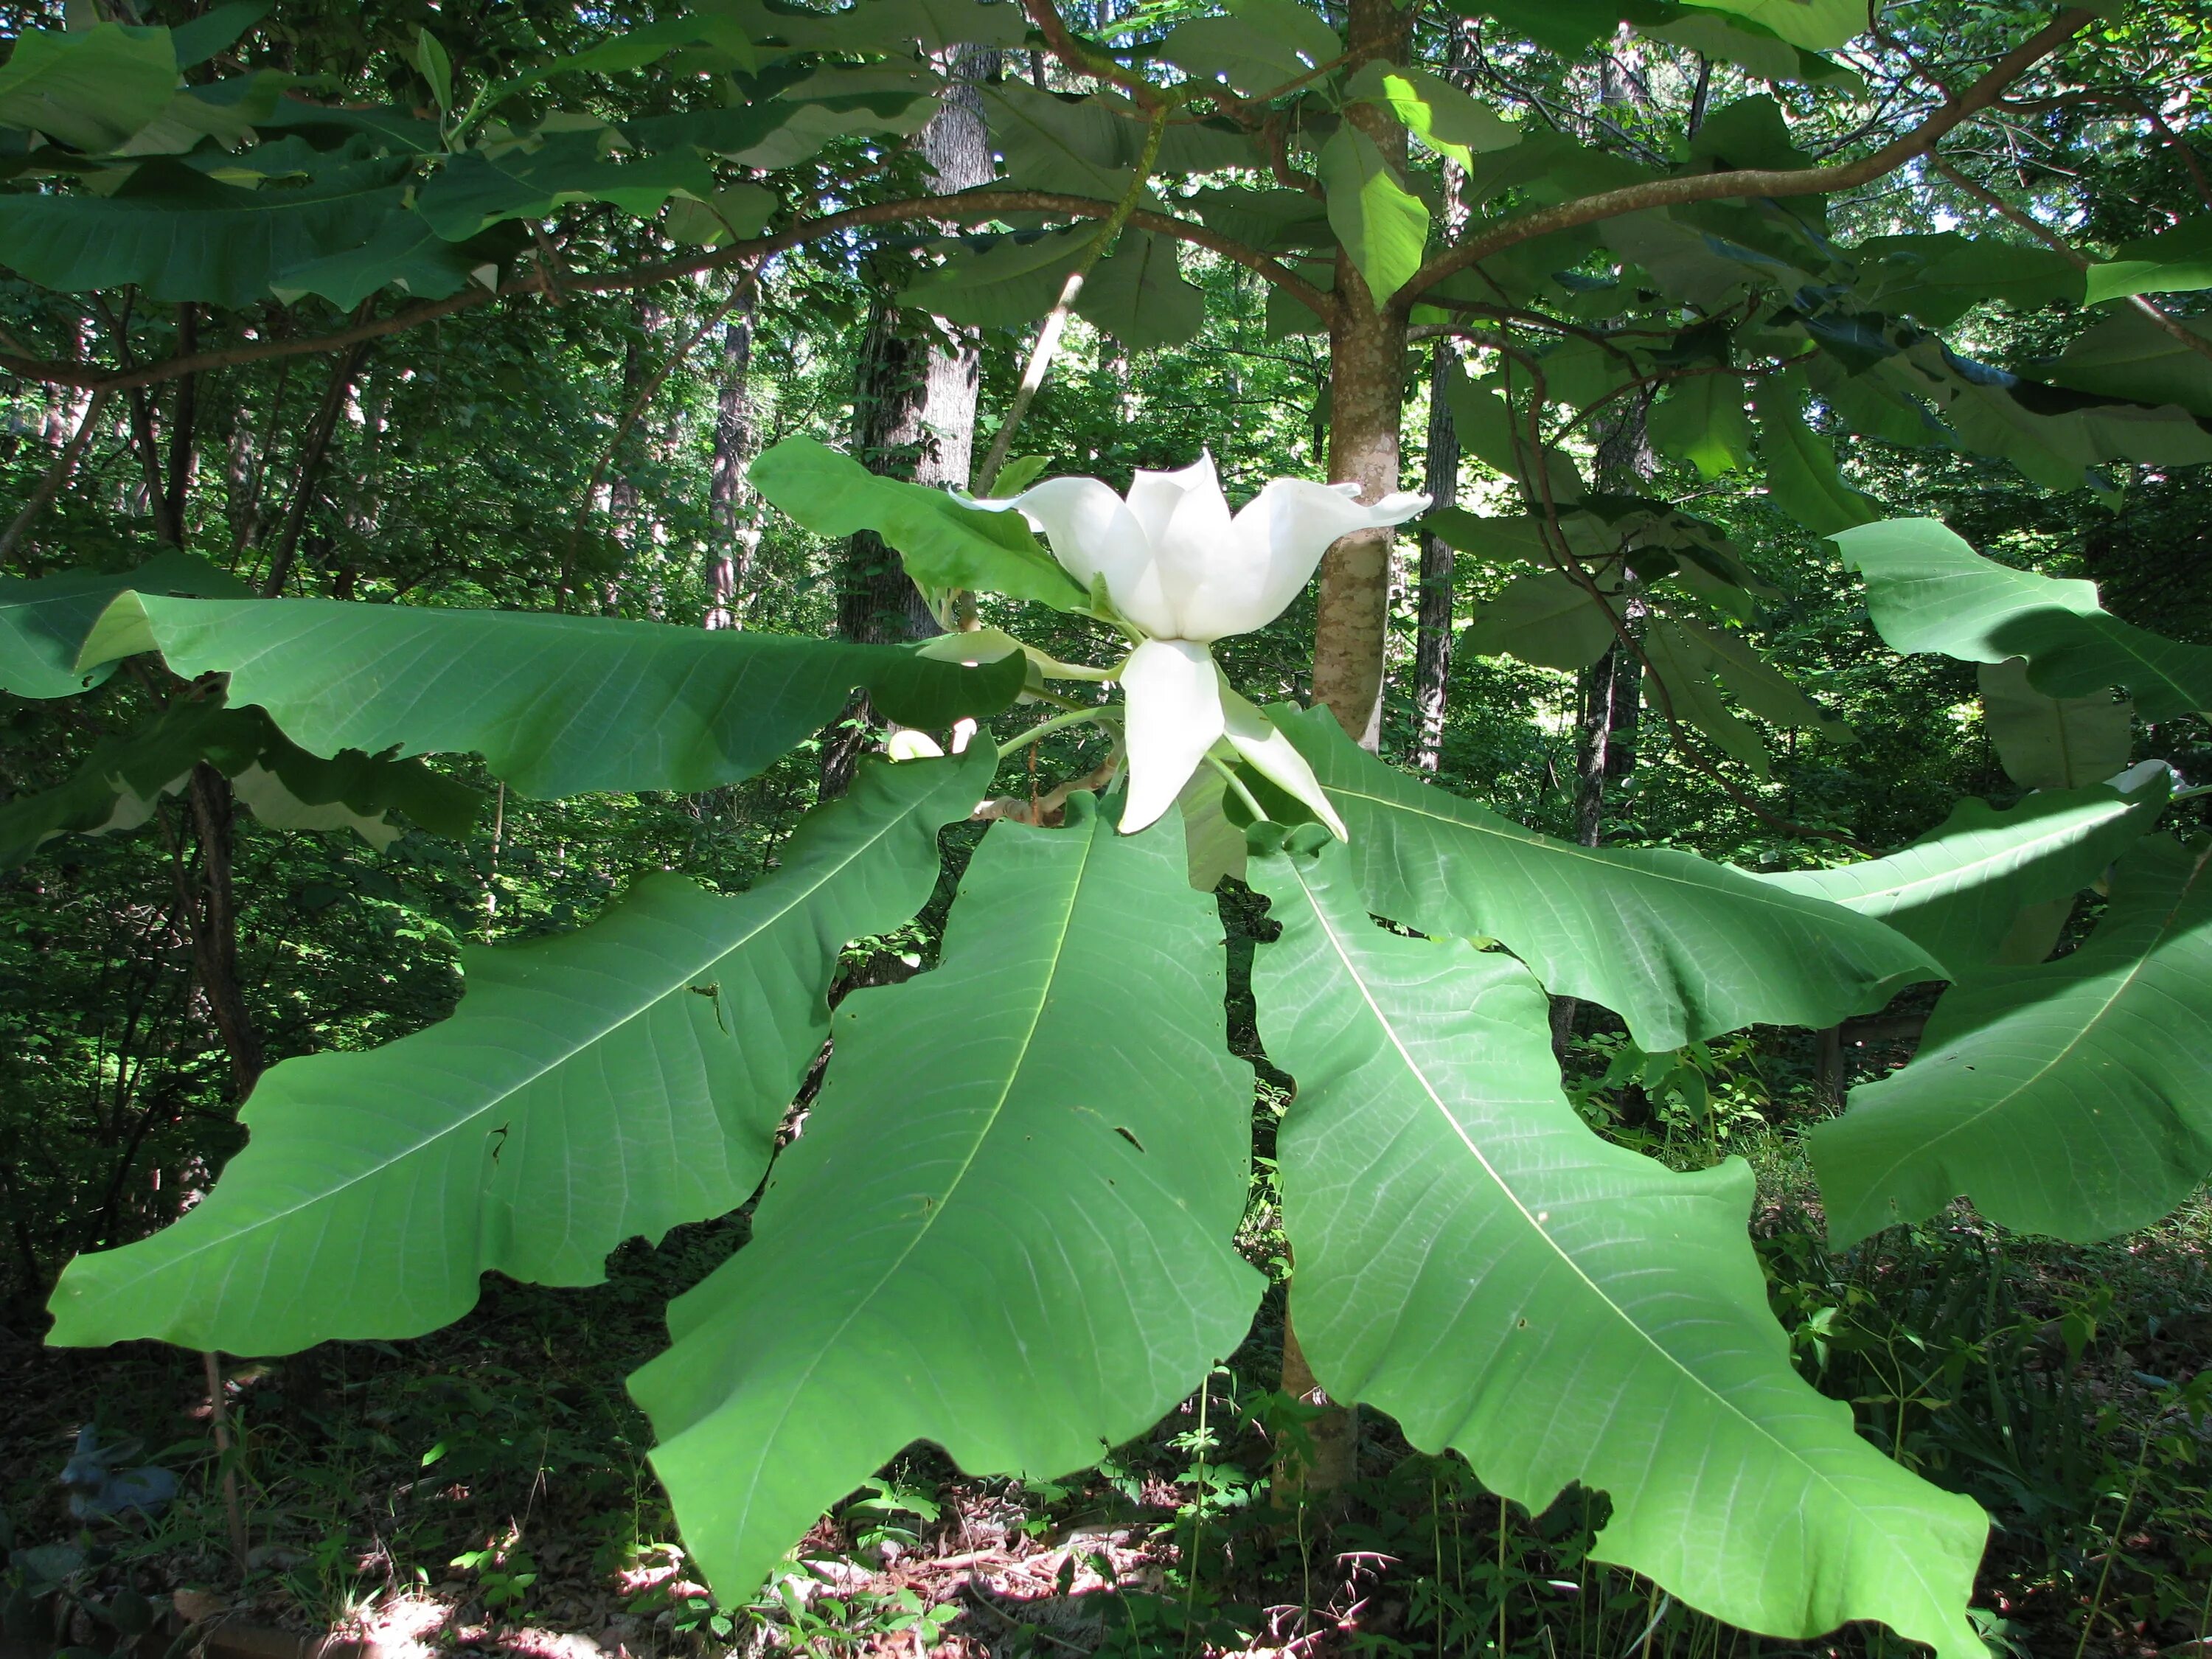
{"type": "Point", "coordinates": [121, 780]}
{"type": "Point", "coordinates": [556, 705]}
{"type": "Point", "coordinates": [1259, 46]}
{"type": "Point", "coordinates": [478, 188]}
{"type": "Point", "coordinates": [1702, 421]}
{"type": "Point", "coordinates": [2064, 1098]}
{"type": "Point", "coordinates": [944, 542]}
{"type": "Point", "coordinates": [1547, 618]}
{"type": "Point", "coordinates": [1927, 590]}
{"type": "Point", "coordinates": [2128, 355]}
{"type": "Point", "coordinates": [1000, 282]}
{"type": "Point", "coordinates": [834, 102]}
{"type": "Point", "coordinates": [1137, 294]}
{"type": "Point", "coordinates": [44, 620]}
{"type": "Point", "coordinates": [2176, 261]}
{"type": "Point", "coordinates": [1758, 51]}
{"type": "Point", "coordinates": [878, 26]}
{"type": "Point", "coordinates": [1939, 278]}
{"type": "Point", "coordinates": [89, 88]}
{"type": "Point", "coordinates": [1801, 466]}
{"type": "Point", "coordinates": [1680, 947]}
{"type": "Point", "coordinates": [1815, 25]}
{"type": "Point", "coordinates": [1008, 1227]}
{"type": "Point", "coordinates": [404, 252]}
{"type": "Point", "coordinates": [1958, 889]}
{"type": "Point", "coordinates": [1683, 686]}
{"type": "Point", "coordinates": [2053, 742]}
{"type": "Point", "coordinates": [1383, 227]}
{"type": "Point", "coordinates": [1448, 120]}
{"type": "Point", "coordinates": [179, 235]}
{"type": "Point", "coordinates": [1474, 1259]}
{"type": "Point", "coordinates": [1090, 145]}
{"type": "Point", "coordinates": [593, 1086]}
{"type": "Point", "coordinates": [215, 30]}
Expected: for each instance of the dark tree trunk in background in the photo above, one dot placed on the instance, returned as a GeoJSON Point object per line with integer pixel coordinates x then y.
{"type": "Point", "coordinates": [215, 927]}
{"type": "Point", "coordinates": [1611, 688]}
{"type": "Point", "coordinates": [313, 448]}
{"type": "Point", "coordinates": [735, 530]}
{"type": "Point", "coordinates": [184, 456]}
{"type": "Point", "coordinates": [914, 415]}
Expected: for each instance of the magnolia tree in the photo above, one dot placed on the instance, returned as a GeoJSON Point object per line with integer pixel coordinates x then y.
{"type": "Point", "coordinates": [1008, 1227]}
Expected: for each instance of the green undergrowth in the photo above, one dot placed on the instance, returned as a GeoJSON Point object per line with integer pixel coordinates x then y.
{"type": "Point", "coordinates": [494, 1476]}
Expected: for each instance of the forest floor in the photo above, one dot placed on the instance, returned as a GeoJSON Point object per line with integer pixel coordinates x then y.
{"type": "Point", "coordinates": [485, 1491]}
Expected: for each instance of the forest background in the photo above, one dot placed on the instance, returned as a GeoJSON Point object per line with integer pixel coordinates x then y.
{"type": "Point", "coordinates": [570, 447]}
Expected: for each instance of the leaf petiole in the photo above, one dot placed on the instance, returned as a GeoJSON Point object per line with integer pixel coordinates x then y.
{"type": "Point", "coordinates": [1058, 722]}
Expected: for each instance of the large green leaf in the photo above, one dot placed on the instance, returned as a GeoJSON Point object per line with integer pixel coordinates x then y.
{"type": "Point", "coordinates": [480, 188]}
{"type": "Point", "coordinates": [2176, 261]}
{"type": "Point", "coordinates": [1259, 46]}
{"type": "Point", "coordinates": [121, 780]}
{"type": "Point", "coordinates": [179, 235]}
{"type": "Point", "coordinates": [1816, 24]}
{"type": "Point", "coordinates": [1801, 466]}
{"type": "Point", "coordinates": [1090, 145]}
{"type": "Point", "coordinates": [2053, 742]}
{"type": "Point", "coordinates": [1702, 421]}
{"type": "Point", "coordinates": [1137, 294]}
{"type": "Point", "coordinates": [1384, 226]}
{"type": "Point", "coordinates": [2065, 1099]}
{"type": "Point", "coordinates": [1472, 1259]}
{"type": "Point", "coordinates": [1544, 617]}
{"type": "Point", "coordinates": [1927, 590]}
{"type": "Point", "coordinates": [44, 620]}
{"type": "Point", "coordinates": [1678, 947]}
{"type": "Point", "coordinates": [944, 542]}
{"type": "Point", "coordinates": [1007, 1228]}
{"type": "Point", "coordinates": [2128, 355]}
{"type": "Point", "coordinates": [1938, 278]}
{"type": "Point", "coordinates": [1000, 282]}
{"type": "Point", "coordinates": [91, 89]}
{"type": "Point", "coordinates": [1957, 890]}
{"type": "Point", "coordinates": [593, 1086]}
{"type": "Point", "coordinates": [556, 705]}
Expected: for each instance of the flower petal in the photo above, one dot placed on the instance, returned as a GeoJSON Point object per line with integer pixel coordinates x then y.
{"type": "Point", "coordinates": [1175, 716]}
{"type": "Point", "coordinates": [1283, 532]}
{"type": "Point", "coordinates": [1255, 736]}
{"type": "Point", "coordinates": [1154, 497]}
{"type": "Point", "coordinates": [1191, 552]}
{"type": "Point", "coordinates": [1092, 532]}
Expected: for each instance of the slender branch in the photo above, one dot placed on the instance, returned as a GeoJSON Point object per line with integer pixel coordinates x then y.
{"type": "Point", "coordinates": [1086, 59]}
{"type": "Point", "coordinates": [56, 476]}
{"type": "Point", "coordinates": [1048, 339]}
{"type": "Point", "coordinates": [2164, 321]}
{"type": "Point", "coordinates": [970, 207]}
{"type": "Point", "coordinates": [1753, 182]}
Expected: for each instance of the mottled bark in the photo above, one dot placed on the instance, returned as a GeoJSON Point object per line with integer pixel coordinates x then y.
{"type": "Point", "coordinates": [1367, 352]}
{"type": "Point", "coordinates": [1432, 627]}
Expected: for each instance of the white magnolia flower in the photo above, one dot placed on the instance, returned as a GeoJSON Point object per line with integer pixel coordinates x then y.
{"type": "Point", "coordinates": [1186, 572]}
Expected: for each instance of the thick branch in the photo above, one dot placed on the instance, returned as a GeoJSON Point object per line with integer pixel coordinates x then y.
{"type": "Point", "coordinates": [970, 207]}
{"type": "Point", "coordinates": [1753, 182]}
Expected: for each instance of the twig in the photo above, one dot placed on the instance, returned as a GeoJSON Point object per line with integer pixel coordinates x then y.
{"type": "Point", "coordinates": [56, 476]}
{"type": "Point", "coordinates": [219, 1420]}
{"type": "Point", "coordinates": [1048, 339]}
{"type": "Point", "coordinates": [2164, 321]}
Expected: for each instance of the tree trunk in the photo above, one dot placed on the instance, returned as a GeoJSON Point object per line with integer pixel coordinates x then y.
{"type": "Point", "coordinates": [1367, 356]}
{"type": "Point", "coordinates": [215, 927]}
{"type": "Point", "coordinates": [735, 531]}
{"type": "Point", "coordinates": [913, 416]}
{"type": "Point", "coordinates": [1367, 377]}
{"type": "Point", "coordinates": [312, 450]}
{"type": "Point", "coordinates": [184, 454]}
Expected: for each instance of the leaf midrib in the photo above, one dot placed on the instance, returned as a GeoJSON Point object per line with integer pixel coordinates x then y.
{"type": "Point", "coordinates": [935, 1211]}
{"type": "Point", "coordinates": [1413, 1069]}
{"type": "Point", "coordinates": [800, 894]}
{"type": "Point", "coordinates": [1941, 883]}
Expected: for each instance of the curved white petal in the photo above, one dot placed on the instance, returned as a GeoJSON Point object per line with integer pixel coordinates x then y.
{"type": "Point", "coordinates": [1088, 528]}
{"type": "Point", "coordinates": [1285, 528]}
{"type": "Point", "coordinates": [1255, 736]}
{"type": "Point", "coordinates": [1175, 716]}
{"type": "Point", "coordinates": [1154, 497]}
{"type": "Point", "coordinates": [1190, 553]}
